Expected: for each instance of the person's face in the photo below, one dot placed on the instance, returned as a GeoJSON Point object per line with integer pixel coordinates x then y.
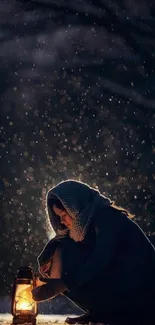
{"type": "Point", "coordinates": [65, 218]}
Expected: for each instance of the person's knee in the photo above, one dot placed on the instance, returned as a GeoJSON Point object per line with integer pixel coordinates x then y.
{"type": "Point", "coordinates": [68, 256]}
{"type": "Point", "coordinates": [56, 268]}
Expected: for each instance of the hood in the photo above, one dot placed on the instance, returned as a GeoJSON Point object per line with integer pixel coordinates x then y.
{"type": "Point", "coordinates": [75, 196]}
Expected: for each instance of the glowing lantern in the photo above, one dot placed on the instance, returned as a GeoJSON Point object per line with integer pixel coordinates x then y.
{"type": "Point", "coordinates": [24, 308]}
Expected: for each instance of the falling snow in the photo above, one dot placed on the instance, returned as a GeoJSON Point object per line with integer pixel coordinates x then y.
{"type": "Point", "coordinates": [77, 100]}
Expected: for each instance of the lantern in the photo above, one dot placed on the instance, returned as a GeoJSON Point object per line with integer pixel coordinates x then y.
{"type": "Point", "coordinates": [24, 308]}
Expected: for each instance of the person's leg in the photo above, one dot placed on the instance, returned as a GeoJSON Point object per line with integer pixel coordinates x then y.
{"type": "Point", "coordinates": [56, 265]}
{"type": "Point", "coordinates": [89, 297]}
{"type": "Point", "coordinates": [69, 256]}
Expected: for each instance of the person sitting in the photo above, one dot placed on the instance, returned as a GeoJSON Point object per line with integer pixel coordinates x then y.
{"type": "Point", "coordinates": [100, 259]}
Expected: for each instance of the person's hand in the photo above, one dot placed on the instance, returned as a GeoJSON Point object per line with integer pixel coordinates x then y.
{"type": "Point", "coordinates": [39, 282]}
{"type": "Point", "coordinates": [50, 289]}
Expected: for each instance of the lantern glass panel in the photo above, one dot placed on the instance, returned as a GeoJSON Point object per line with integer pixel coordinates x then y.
{"type": "Point", "coordinates": [23, 302]}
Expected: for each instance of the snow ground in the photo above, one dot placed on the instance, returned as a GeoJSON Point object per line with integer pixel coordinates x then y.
{"type": "Point", "coordinates": [6, 319]}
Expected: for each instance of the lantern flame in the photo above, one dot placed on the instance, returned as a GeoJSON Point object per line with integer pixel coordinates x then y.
{"type": "Point", "coordinates": [23, 305]}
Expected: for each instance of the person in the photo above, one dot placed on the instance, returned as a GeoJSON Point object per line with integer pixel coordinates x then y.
{"type": "Point", "coordinates": [100, 258]}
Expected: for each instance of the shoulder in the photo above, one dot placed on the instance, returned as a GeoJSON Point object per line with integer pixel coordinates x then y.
{"type": "Point", "coordinates": [109, 216]}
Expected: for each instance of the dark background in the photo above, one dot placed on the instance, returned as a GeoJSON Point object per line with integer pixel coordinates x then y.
{"type": "Point", "coordinates": [76, 100]}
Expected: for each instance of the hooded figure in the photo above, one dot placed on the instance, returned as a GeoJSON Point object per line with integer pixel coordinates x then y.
{"type": "Point", "coordinates": [104, 262]}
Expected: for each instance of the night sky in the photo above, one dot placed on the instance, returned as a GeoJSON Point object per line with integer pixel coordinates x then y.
{"type": "Point", "coordinates": [77, 99]}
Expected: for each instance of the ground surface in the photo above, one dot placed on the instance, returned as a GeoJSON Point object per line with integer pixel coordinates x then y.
{"type": "Point", "coordinates": [6, 319]}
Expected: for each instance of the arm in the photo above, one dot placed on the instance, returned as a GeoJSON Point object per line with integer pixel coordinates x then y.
{"type": "Point", "coordinates": [48, 288]}
{"type": "Point", "coordinates": [108, 235]}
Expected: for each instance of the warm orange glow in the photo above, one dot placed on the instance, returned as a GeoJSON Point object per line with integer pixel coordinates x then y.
{"type": "Point", "coordinates": [23, 305]}
{"type": "Point", "coordinates": [23, 298]}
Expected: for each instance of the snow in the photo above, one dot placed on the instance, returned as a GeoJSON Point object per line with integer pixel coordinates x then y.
{"type": "Point", "coordinates": [77, 100]}
{"type": "Point", "coordinates": [40, 318]}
